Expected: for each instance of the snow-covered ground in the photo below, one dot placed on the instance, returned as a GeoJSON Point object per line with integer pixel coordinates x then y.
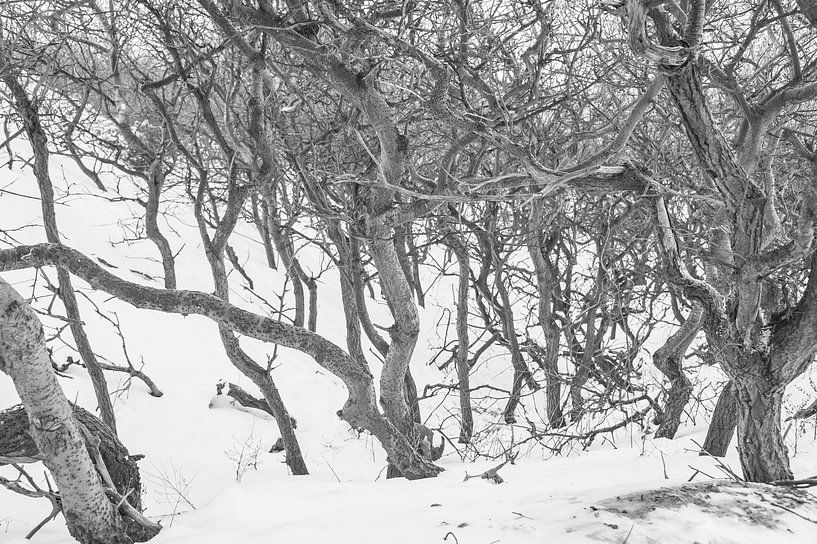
{"type": "Point", "coordinates": [198, 446]}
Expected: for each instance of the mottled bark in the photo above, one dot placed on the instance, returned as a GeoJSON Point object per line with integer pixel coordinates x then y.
{"type": "Point", "coordinates": [17, 444]}
{"type": "Point", "coordinates": [763, 454]}
{"type": "Point", "coordinates": [759, 375]}
{"type": "Point", "coordinates": [90, 516]}
{"type": "Point", "coordinates": [401, 235]}
{"type": "Point", "coordinates": [16, 441]}
{"type": "Point", "coordinates": [406, 327]}
{"type": "Point", "coordinates": [414, 257]}
{"type": "Point", "coordinates": [723, 423]}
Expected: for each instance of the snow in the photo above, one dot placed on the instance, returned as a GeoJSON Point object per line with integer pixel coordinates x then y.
{"type": "Point", "coordinates": [192, 440]}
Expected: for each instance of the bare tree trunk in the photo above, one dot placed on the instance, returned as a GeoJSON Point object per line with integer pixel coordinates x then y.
{"type": "Point", "coordinates": [90, 516]}
{"type": "Point", "coordinates": [724, 421]}
{"type": "Point", "coordinates": [454, 241]}
{"type": "Point", "coordinates": [400, 243]}
{"type": "Point", "coordinates": [380, 344]}
{"type": "Point", "coordinates": [214, 249]}
{"type": "Point", "coordinates": [260, 217]}
{"type": "Point", "coordinates": [290, 262]}
{"type": "Point", "coordinates": [669, 359]}
{"type": "Point", "coordinates": [352, 300]}
{"type": "Point", "coordinates": [284, 246]}
{"type": "Point", "coordinates": [39, 144]}
{"type": "Point", "coordinates": [406, 327]}
{"type": "Point", "coordinates": [264, 382]}
{"type": "Point", "coordinates": [763, 454]}
{"type": "Point", "coordinates": [545, 284]}
{"type": "Point", "coordinates": [521, 374]}
{"type": "Point", "coordinates": [583, 363]}
{"type": "Point", "coordinates": [415, 267]}
{"type": "Point", "coordinates": [155, 181]}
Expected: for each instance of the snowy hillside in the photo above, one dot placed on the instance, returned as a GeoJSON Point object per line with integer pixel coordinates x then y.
{"type": "Point", "coordinates": [197, 445]}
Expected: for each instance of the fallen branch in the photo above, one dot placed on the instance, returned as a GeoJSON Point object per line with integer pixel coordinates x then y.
{"type": "Point", "coordinates": [492, 474]}
{"type": "Point", "coordinates": [797, 484]}
{"type": "Point", "coordinates": [248, 401]}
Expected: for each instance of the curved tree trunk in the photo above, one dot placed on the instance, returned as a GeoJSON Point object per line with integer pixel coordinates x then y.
{"type": "Point", "coordinates": [723, 423]}
{"type": "Point", "coordinates": [360, 409]}
{"type": "Point", "coordinates": [406, 328]}
{"type": "Point", "coordinates": [90, 516]}
{"type": "Point", "coordinates": [669, 359]}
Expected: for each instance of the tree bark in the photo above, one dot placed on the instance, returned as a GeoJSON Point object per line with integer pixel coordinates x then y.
{"type": "Point", "coordinates": [584, 363]}
{"type": "Point", "coordinates": [723, 423]}
{"type": "Point", "coordinates": [763, 454]}
{"type": "Point", "coordinates": [260, 217]}
{"type": "Point", "coordinates": [90, 516]}
{"type": "Point", "coordinates": [406, 327]}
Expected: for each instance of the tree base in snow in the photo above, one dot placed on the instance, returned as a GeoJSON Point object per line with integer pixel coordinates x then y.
{"type": "Point", "coordinates": [16, 445]}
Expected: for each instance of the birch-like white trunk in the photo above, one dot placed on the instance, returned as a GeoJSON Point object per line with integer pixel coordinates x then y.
{"type": "Point", "coordinates": [90, 516]}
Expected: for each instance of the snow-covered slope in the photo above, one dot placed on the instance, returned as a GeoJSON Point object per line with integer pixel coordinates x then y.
{"type": "Point", "coordinates": [193, 441]}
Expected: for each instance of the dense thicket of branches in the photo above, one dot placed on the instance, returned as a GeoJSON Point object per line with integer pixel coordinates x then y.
{"type": "Point", "coordinates": [605, 183]}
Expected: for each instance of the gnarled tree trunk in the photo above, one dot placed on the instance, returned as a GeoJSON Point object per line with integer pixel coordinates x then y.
{"type": "Point", "coordinates": [763, 454]}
